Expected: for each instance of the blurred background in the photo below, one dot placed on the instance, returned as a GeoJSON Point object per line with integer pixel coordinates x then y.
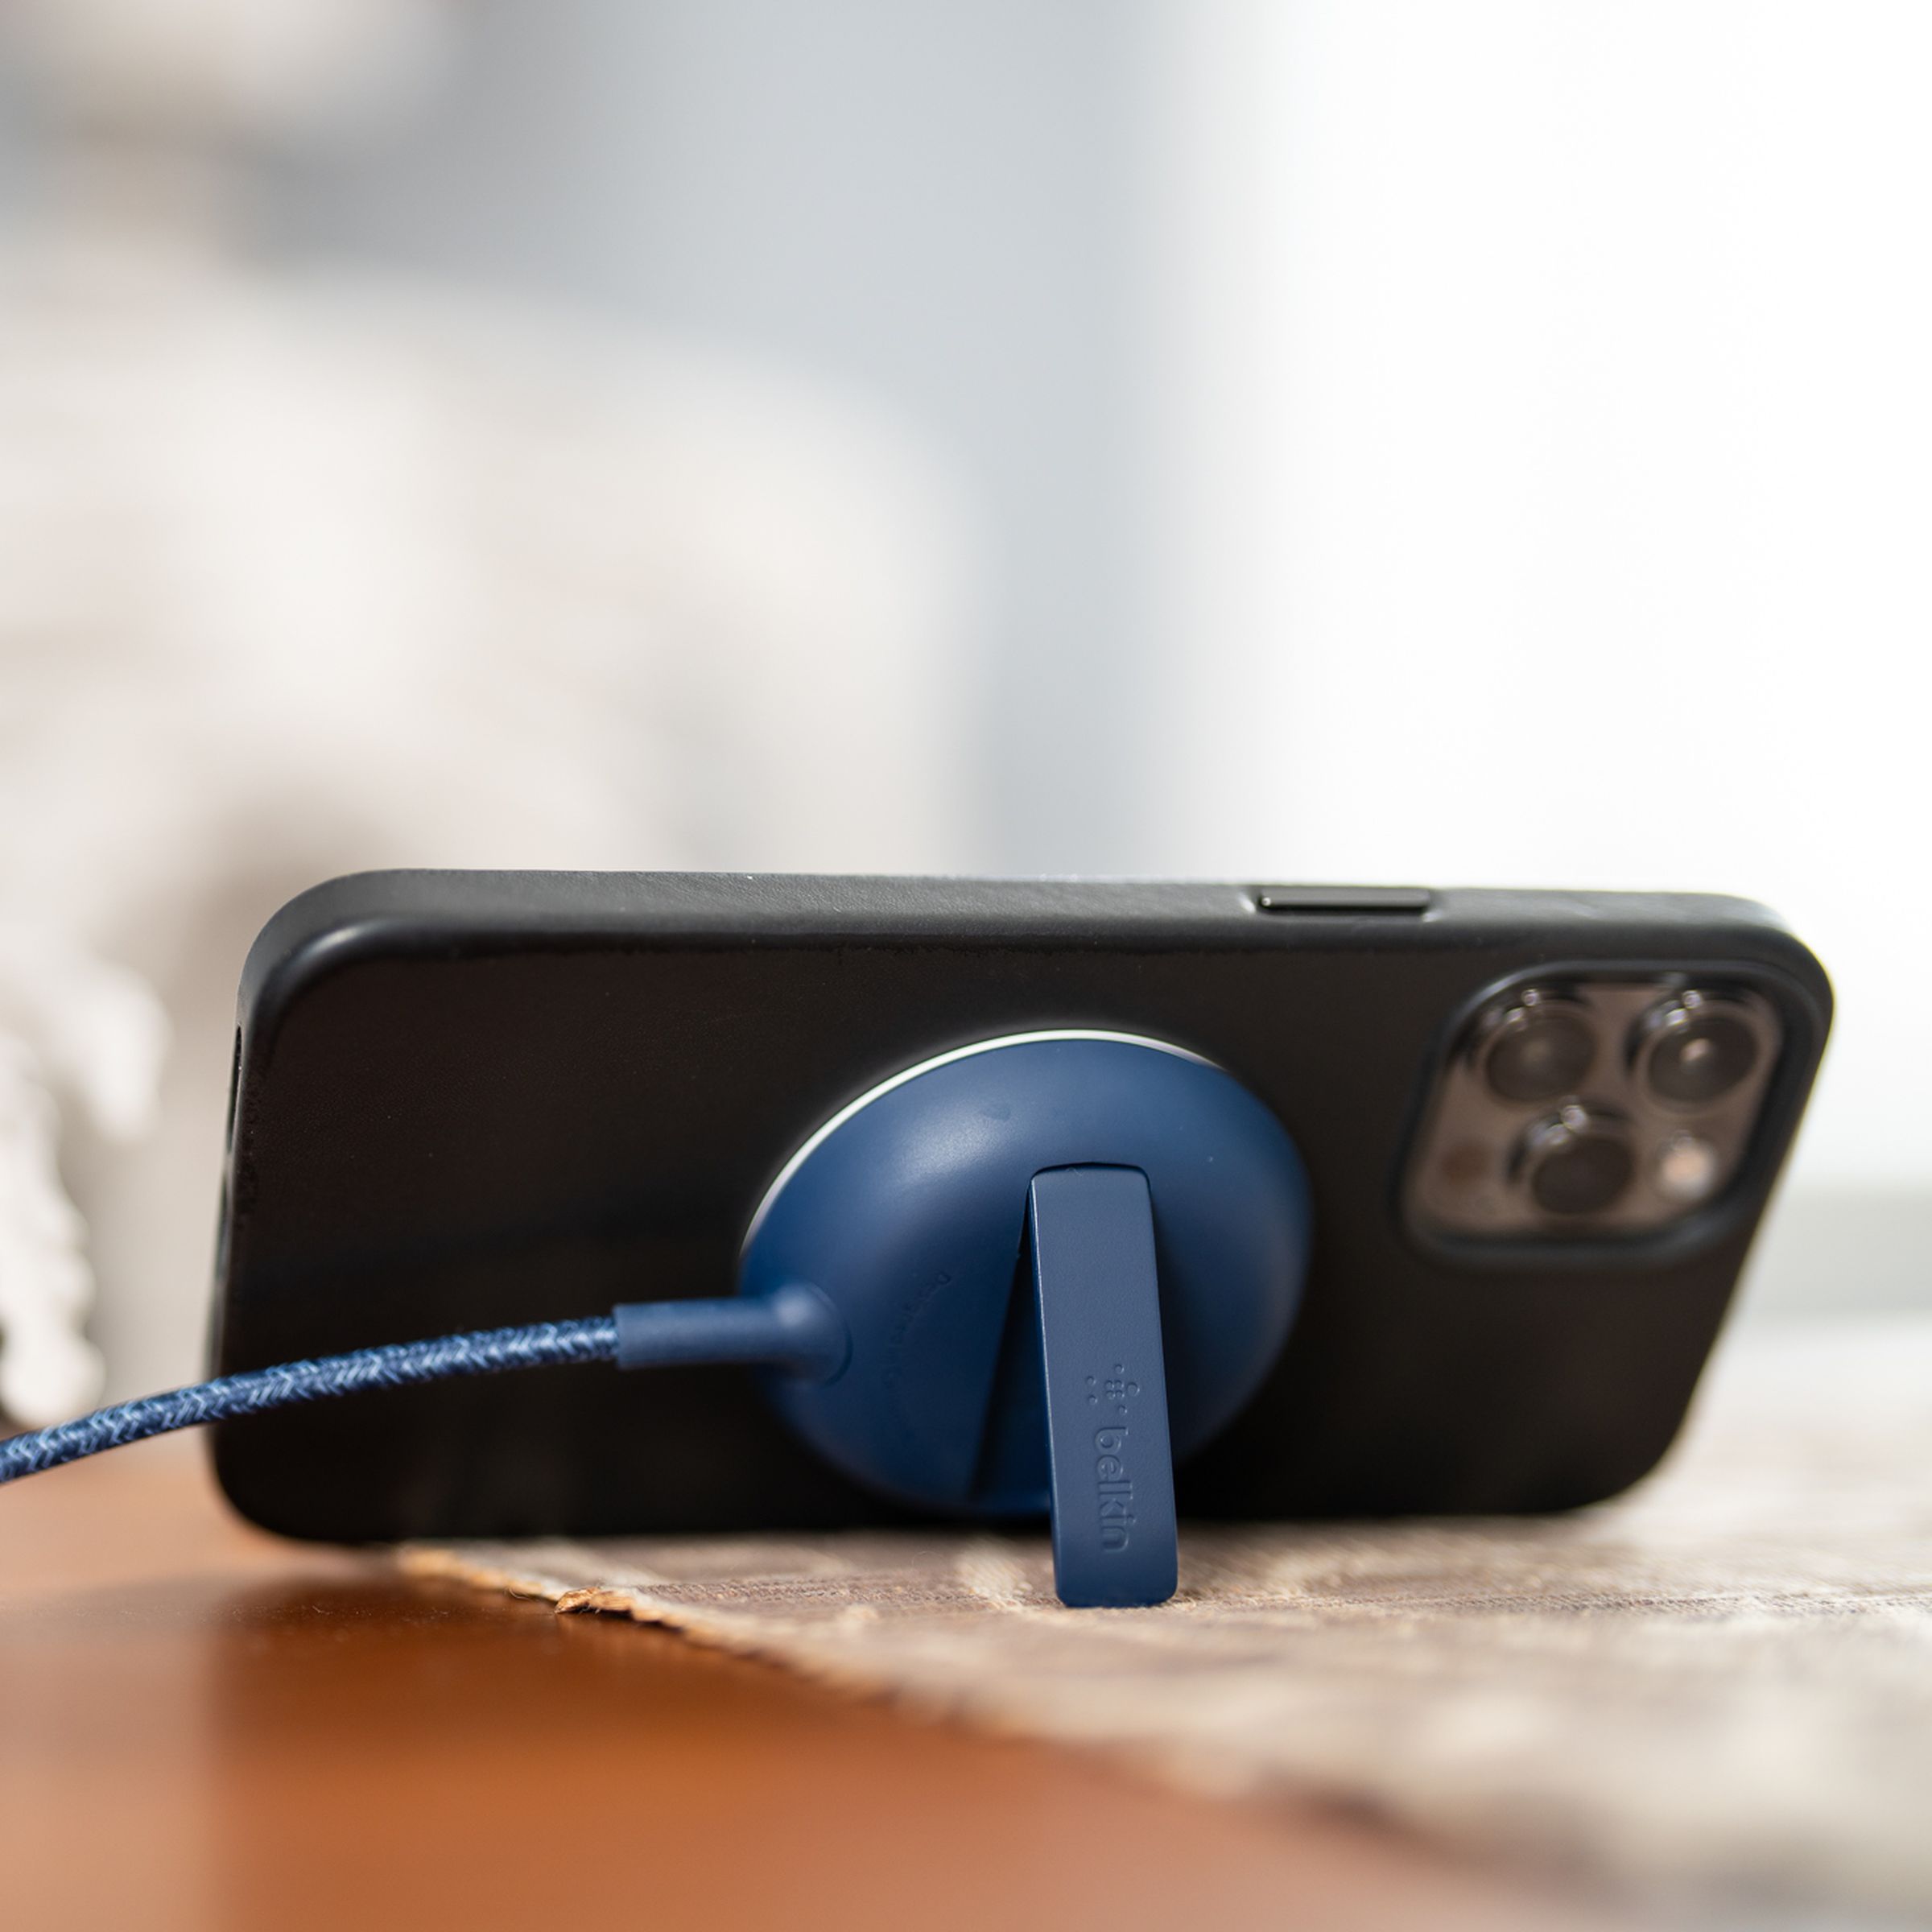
{"type": "Point", "coordinates": [1342, 439]}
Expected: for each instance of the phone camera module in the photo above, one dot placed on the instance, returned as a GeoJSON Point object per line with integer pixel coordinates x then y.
{"type": "Point", "coordinates": [1588, 1106]}
{"type": "Point", "coordinates": [1577, 1161]}
{"type": "Point", "coordinates": [1539, 1047]}
{"type": "Point", "coordinates": [1696, 1049]}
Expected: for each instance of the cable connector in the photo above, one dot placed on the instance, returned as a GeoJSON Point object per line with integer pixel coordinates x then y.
{"type": "Point", "coordinates": [794, 1327]}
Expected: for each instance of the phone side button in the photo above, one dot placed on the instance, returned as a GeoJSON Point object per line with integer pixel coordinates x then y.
{"type": "Point", "coordinates": [1397, 902]}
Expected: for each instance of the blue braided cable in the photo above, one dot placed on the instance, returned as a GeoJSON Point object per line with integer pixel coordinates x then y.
{"type": "Point", "coordinates": [794, 1327]}
{"type": "Point", "coordinates": [487, 1351]}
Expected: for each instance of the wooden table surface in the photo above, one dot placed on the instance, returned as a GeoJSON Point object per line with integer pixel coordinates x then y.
{"type": "Point", "coordinates": [201, 1726]}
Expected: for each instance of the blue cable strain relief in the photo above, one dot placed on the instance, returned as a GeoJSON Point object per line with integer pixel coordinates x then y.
{"type": "Point", "coordinates": [795, 1328]}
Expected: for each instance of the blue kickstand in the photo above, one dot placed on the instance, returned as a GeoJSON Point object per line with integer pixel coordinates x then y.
{"type": "Point", "coordinates": [1115, 1541]}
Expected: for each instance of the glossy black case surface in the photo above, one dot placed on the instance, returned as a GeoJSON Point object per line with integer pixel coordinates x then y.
{"type": "Point", "coordinates": [470, 1099]}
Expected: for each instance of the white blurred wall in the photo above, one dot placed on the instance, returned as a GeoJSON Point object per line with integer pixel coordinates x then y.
{"type": "Point", "coordinates": [935, 208]}
{"type": "Point", "coordinates": [1477, 443]}
{"type": "Point", "coordinates": [1546, 413]}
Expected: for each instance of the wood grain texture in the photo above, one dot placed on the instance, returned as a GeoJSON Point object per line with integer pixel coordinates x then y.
{"type": "Point", "coordinates": [200, 1726]}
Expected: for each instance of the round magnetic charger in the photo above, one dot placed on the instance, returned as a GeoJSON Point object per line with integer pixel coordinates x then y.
{"type": "Point", "coordinates": [908, 1209]}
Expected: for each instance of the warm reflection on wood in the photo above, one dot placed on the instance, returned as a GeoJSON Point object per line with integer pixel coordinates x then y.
{"type": "Point", "coordinates": [201, 1726]}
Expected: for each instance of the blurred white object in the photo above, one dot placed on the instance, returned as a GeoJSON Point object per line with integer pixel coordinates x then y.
{"type": "Point", "coordinates": [301, 574]}
{"type": "Point", "coordinates": [70, 1027]}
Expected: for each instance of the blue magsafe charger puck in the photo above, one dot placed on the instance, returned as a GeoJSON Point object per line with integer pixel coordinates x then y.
{"type": "Point", "coordinates": [1063, 1260]}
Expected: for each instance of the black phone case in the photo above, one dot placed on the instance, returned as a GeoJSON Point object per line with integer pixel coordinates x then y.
{"type": "Point", "coordinates": [465, 1099]}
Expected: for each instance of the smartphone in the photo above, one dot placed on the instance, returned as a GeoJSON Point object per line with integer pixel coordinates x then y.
{"type": "Point", "coordinates": [1541, 1129]}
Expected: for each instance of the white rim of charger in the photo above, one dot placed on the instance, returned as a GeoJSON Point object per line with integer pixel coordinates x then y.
{"type": "Point", "coordinates": [946, 1060]}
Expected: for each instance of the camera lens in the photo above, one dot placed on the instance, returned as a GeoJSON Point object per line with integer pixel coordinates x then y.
{"type": "Point", "coordinates": [1698, 1051]}
{"type": "Point", "coordinates": [1538, 1049]}
{"type": "Point", "coordinates": [1577, 1162]}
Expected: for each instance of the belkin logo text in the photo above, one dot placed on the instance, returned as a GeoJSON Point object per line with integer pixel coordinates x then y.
{"type": "Point", "coordinates": [1113, 1487]}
